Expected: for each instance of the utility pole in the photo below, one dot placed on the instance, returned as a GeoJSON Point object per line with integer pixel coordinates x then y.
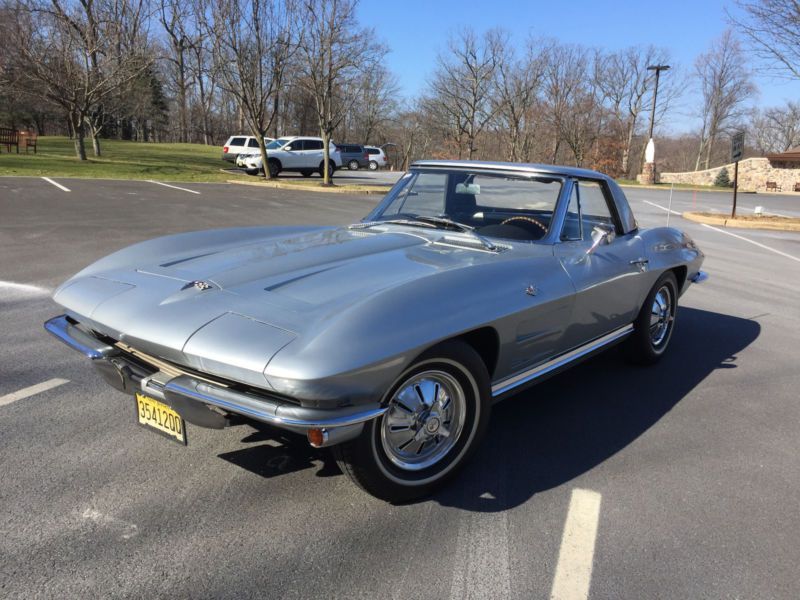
{"type": "Point", "coordinates": [657, 69]}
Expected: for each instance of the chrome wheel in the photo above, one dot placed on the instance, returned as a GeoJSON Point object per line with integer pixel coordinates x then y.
{"type": "Point", "coordinates": [424, 420]}
{"type": "Point", "coordinates": [661, 316]}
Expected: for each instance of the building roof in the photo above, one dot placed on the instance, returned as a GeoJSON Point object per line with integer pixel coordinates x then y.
{"type": "Point", "coordinates": [791, 155]}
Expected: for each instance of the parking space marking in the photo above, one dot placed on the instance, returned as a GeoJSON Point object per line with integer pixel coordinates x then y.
{"type": "Point", "coordinates": [58, 185]}
{"type": "Point", "coordinates": [174, 187]}
{"type": "Point", "coordinates": [755, 243]}
{"type": "Point", "coordinates": [25, 288]}
{"type": "Point", "coordinates": [32, 390]}
{"type": "Point", "coordinates": [576, 555]}
{"type": "Point", "coordinates": [664, 208]}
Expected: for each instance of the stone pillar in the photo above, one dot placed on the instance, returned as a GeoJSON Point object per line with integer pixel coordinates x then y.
{"type": "Point", "coordinates": [648, 174]}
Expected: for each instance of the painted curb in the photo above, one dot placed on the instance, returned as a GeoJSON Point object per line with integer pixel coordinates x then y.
{"type": "Point", "coordinates": [338, 189]}
{"type": "Point", "coordinates": [737, 224]}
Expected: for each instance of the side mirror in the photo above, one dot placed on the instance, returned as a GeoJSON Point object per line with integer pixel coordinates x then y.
{"type": "Point", "coordinates": [600, 237]}
{"type": "Point", "coordinates": [287, 148]}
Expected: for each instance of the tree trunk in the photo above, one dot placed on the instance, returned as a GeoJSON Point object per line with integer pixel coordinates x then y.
{"type": "Point", "coordinates": [96, 143]}
{"type": "Point", "coordinates": [76, 122]}
{"type": "Point", "coordinates": [326, 172]}
{"type": "Point", "coordinates": [626, 151]}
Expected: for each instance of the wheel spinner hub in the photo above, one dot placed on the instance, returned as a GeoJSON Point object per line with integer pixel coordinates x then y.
{"type": "Point", "coordinates": [424, 420]}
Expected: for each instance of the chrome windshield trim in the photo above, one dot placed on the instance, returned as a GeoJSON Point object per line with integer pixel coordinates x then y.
{"type": "Point", "coordinates": [514, 381]}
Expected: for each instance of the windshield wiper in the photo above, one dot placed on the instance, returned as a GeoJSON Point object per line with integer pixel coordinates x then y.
{"type": "Point", "coordinates": [444, 222]}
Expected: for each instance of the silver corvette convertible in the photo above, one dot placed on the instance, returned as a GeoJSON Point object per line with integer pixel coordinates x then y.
{"type": "Point", "coordinates": [391, 338]}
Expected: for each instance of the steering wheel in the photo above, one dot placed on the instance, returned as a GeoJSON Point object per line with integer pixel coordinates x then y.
{"type": "Point", "coordinates": [528, 219]}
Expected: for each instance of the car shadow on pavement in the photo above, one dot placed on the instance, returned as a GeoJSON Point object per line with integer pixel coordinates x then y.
{"type": "Point", "coordinates": [279, 453]}
{"type": "Point", "coordinates": [553, 432]}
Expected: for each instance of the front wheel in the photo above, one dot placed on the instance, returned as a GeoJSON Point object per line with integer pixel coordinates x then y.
{"type": "Point", "coordinates": [353, 165]}
{"type": "Point", "coordinates": [274, 168]}
{"type": "Point", "coordinates": [438, 411]}
{"type": "Point", "coordinates": [652, 329]}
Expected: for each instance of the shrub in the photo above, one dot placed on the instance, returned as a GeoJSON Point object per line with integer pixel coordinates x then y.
{"type": "Point", "coordinates": [723, 180]}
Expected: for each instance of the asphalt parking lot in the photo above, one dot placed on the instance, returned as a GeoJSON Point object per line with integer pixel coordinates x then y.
{"type": "Point", "coordinates": [692, 465]}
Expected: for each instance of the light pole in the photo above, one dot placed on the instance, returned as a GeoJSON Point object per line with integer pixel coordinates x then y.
{"type": "Point", "coordinates": [657, 69]}
{"type": "Point", "coordinates": [648, 174]}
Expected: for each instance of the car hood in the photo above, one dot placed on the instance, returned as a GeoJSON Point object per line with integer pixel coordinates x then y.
{"type": "Point", "coordinates": [199, 298]}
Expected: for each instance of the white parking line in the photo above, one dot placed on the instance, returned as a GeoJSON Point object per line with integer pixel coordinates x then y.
{"type": "Point", "coordinates": [744, 239]}
{"type": "Point", "coordinates": [574, 569]}
{"type": "Point", "coordinates": [32, 390]}
{"type": "Point", "coordinates": [174, 187]}
{"type": "Point", "coordinates": [664, 208]}
{"type": "Point", "coordinates": [58, 185]}
{"type": "Point", "coordinates": [24, 288]}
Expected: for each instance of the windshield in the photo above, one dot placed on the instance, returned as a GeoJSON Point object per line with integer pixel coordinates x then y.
{"type": "Point", "coordinates": [501, 206]}
{"type": "Point", "coordinates": [275, 144]}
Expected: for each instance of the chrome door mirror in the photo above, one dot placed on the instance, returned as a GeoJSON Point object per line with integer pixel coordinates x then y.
{"type": "Point", "coordinates": [600, 237]}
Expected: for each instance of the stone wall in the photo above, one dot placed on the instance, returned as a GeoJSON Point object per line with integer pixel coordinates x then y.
{"type": "Point", "coordinates": [753, 175]}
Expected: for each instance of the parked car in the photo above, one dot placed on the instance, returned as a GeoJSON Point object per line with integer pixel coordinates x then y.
{"type": "Point", "coordinates": [389, 339]}
{"type": "Point", "coordinates": [377, 158]}
{"type": "Point", "coordinates": [353, 155]}
{"type": "Point", "coordinates": [299, 154]}
{"type": "Point", "coordinates": [238, 144]}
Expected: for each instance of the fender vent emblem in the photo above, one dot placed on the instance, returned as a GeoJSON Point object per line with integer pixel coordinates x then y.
{"type": "Point", "coordinates": [200, 285]}
{"type": "Point", "coordinates": [531, 290]}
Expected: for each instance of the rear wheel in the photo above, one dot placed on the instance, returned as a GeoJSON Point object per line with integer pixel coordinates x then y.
{"type": "Point", "coordinates": [373, 166]}
{"type": "Point", "coordinates": [652, 329]}
{"type": "Point", "coordinates": [321, 169]}
{"type": "Point", "coordinates": [353, 165]}
{"type": "Point", "coordinates": [438, 411]}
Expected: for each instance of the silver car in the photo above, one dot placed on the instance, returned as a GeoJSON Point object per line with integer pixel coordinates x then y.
{"type": "Point", "coordinates": [389, 339]}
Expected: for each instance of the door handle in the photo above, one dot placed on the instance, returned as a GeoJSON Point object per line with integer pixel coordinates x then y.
{"type": "Point", "coordinates": [641, 263]}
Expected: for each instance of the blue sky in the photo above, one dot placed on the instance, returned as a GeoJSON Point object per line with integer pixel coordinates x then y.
{"type": "Point", "coordinates": [416, 30]}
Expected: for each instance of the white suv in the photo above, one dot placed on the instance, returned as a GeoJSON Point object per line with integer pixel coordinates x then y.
{"type": "Point", "coordinates": [299, 154]}
{"type": "Point", "coordinates": [241, 144]}
{"type": "Point", "coordinates": [377, 158]}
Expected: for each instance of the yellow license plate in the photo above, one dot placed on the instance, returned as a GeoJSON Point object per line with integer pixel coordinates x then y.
{"type": "Point", "coordinates": [160, 417]}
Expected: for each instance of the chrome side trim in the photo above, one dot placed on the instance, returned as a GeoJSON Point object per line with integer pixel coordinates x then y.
{"type": "Point", "coordinates": [510, 383]}
{"type": "Point", "coordinates": [266, 409]}
{"type": "Point", "coordinates": [699, 277]}
{"type": "Point", "coordinates": [76, 339]}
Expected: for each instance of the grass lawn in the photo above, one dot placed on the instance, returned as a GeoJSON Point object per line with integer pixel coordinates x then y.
{"type": "Point", "coordinates": [120, 160]}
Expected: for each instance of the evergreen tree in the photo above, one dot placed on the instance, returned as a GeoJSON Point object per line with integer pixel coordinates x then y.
{"type": "Point", "coordinates": [723, 180]}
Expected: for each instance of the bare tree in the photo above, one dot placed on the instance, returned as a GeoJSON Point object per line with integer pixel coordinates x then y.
{"type": "Point", "coordinates": [627, 86]}
{"type": "Point", "coordinates": [175, 17]}
{"type": "Point", "coordinates": [517, 87]}
{"type": "Point", "coordinates": [334, 51]}
{"type": "Point", "coordinates": [252, 42]}
{"type": "Point", "coordinates": [773, 28]}
{"type": "Point", "coordinates": [77, 55]}
{"type": "Point", "coordinates": [376, 101]}
{"type": "Point", "coordinates": [463, 83]}
{"type": "Point", "coordinates": [726, 87]}
{"type": "Point", "coordinates": [776, 129]}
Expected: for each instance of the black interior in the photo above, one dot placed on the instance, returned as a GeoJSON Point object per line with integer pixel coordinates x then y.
{"type": "Point", "coordinates": [489, 221]}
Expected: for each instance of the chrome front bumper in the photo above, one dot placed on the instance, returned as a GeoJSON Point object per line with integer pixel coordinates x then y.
{"type": "Point", "coordinates": [205, 403]}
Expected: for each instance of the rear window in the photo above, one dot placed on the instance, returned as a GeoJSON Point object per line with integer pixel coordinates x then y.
{"type": "Point", "coordinates": [253, 143]}
{"type": "Point", "coordinates": [373, 151]}
{"type": "Point", "coordinates": [237, 141]}
{"type": "Point", "coordinates": [313, 144]}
